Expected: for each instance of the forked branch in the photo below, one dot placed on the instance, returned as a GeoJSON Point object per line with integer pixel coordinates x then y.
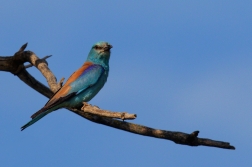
{"type": "Point", "coordinates": [15, 65]}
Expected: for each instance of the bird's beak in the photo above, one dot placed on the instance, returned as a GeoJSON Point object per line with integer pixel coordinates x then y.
{"type": "Point", "coordinates": [108, 47]}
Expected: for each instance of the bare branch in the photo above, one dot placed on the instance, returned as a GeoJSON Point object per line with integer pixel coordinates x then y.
{"type": "Point", "coordinates": [105, 113]}
{"type": "Point", "coordinates": [14, 64]}
{"type": "Point", "coordinates": [177, 137]}
{"type": "Point", "coordinates": [41, 65]}
{"type": "Point", "coordinates": [26, 77]}
{"type": "Point", "coordinates": [44, 58]}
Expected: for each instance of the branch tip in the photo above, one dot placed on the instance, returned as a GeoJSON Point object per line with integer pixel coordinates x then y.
{"type": "Point", "coordinates": [192, 137]}
{"type": "Point", "coordinates": [23, 47]}
{"type": "Point", "coordinates": [47, 56]}
{"type": "Point", "coordinates": [195, 133]}
{"type": "Point", "coordinates": [61, 82]}
{"type": "Point", "coordinates": [232, 147]}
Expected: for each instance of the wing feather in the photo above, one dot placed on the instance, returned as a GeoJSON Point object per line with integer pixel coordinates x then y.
{"type": "Point", "coordinates": [65, 89]}
{"type": "Point", "coordinates": [79, 81]}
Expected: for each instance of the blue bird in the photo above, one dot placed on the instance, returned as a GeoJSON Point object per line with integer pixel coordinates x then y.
{"type": "Point", "coordinates": [82, 85]}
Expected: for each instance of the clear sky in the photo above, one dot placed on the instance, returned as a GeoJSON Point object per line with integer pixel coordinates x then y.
{"type": "Point", "coordinates": [179, 65]}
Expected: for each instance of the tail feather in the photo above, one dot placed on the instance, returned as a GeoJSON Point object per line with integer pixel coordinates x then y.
{"type": "Point", "coordinates": [42, 110]}
{"type": "Point", "coordinates": [49, 107]}
{"type": "Point", "coordinates": [53, 104]}
{"type": "Point", "coordinates": [38, 117]}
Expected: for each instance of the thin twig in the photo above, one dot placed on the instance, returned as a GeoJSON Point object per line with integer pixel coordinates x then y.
{"type": "Point", "coordinates": [105, 113]}
{"type": "Point", "coordinates": [42, 66]}
{"type": "Point", "coordinates": [44, 58]}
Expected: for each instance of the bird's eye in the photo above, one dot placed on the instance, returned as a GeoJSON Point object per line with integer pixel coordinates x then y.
{"type": "Point", "coordinates": [97, 47]}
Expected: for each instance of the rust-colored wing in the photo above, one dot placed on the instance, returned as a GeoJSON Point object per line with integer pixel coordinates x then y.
{"type": "Point", "coordinates": [63, 93]}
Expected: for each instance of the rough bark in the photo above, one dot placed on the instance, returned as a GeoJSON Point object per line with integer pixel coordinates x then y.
{"type": "Point", "coordinates": [15, 65]}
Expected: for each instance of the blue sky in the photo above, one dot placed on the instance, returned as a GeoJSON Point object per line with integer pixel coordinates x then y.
{"type": "Point", "coordinates": [179, 65]}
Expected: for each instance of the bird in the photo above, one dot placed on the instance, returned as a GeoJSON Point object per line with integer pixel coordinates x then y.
{"type": "Point", "coordinates": [82, 85]}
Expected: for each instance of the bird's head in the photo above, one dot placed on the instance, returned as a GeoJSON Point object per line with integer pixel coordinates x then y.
{"type": "Point", "coordinates": [100, 53]}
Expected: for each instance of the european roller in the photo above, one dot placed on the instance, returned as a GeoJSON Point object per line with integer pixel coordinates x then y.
{"type": "Point", "coordinates": [82, 85]}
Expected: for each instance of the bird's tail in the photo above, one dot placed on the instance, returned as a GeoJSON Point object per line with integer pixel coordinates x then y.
{"type": "Point", "coordinates": [38, 117]}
